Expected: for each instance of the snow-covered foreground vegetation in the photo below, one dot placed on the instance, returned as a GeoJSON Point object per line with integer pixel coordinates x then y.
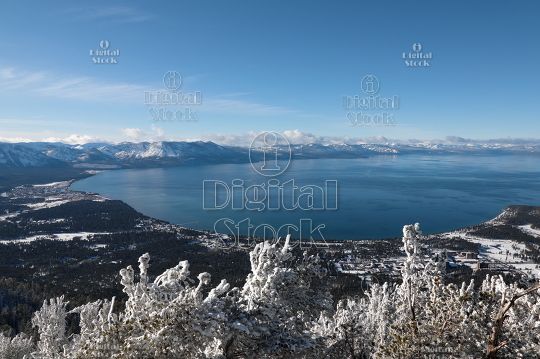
{"type": "Point", "coordinates": [282, 311]}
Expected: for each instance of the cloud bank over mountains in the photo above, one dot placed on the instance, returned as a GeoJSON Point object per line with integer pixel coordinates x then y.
{"type": "Point", "coordinates": [295, 137]}
{"type": "Point", "coordinates": [232, 150]}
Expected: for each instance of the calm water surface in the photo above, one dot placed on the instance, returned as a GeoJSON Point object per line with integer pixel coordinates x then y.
{"type": "Point", "coordinates": [376, 196]}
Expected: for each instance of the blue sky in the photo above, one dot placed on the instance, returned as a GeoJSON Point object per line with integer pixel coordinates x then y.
{"type": "Point", "coordinates": [268, 65]}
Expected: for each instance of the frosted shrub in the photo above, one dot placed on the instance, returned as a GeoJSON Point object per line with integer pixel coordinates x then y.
{"type": "Point", "coordinates": [51, 320]}
{"type": "Point", "coordinates": [422, 317]}
{"type": "Point", "coordinates": [283, 311]}
{"type": "Point", "coordinates": [17, 347]}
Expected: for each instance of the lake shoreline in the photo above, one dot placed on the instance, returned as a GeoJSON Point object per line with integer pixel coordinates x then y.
{"type": "Point", "coordinates": [459, 197]}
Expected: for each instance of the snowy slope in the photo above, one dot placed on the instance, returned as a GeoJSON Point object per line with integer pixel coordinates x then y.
{"type": "Point", "coordinates": [127, 154]}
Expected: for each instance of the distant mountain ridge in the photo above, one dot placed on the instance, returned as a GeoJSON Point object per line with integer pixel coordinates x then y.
{"type": "Point", "coordinates": [169, 153]}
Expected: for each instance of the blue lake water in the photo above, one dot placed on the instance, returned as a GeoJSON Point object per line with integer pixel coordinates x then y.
{"type": "Point", "coordinates": [375, 196]}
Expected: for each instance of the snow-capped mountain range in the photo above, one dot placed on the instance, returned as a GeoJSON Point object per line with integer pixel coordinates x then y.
{"type": "Point", "coordinates": [155, 154]}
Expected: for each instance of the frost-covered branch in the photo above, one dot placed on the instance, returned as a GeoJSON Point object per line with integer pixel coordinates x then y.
{"type": "Point", "coordinates": [283, 310]}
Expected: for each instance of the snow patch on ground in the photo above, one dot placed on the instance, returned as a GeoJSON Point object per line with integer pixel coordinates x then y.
{"type": "Point", "coordinates": [527, 229]}
{"type": "Point", "coordinates": [100, 245]}
{"type": "Point", "coordinates": [6, 216]}
{"type": "Point", "coordinates": [62, 183]}
{"type": "Point", "coordinates": [500, 219]}
{"type": "Point", "coordinates": [457, 233]}
{"type": "Point", "coordinates": [71, 236]}
{"type": "Point", "coordinates": [47, 204]}
{"type": "Point", "coordinates": [504, 252]}
{"type": "Point", "coordinates": [57, 237]}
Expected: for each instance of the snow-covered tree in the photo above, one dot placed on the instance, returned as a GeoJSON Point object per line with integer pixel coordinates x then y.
{"type": "Point", "coordinates": [17, 347]}
{"type": "Point", "coordinates": [167, 318]}
{"type": "Point", "coordinates": [51, 320]}
{"type": "Point", "coordinates": [175, 316]}
{"type": "Point", "coordinates": [283, 311]}
{"type": "Point", "coordinates": [278, 304]}
{"type": "Point", "coordinates": [423, 317]}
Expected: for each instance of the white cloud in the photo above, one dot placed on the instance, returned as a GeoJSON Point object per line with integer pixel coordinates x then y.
{"type": "Point", "coordinates": [89, 89]}
{"type": "Point", "coordinates": [74, 139]}
{"type": "Point", "coordinates": [508, 140]}
{"type": "Point", "coordinates": [245, 139]}
{"type": "Point", "coordinates": [295, 137]}
{"type": "Point", "coordinates": [15, 139]}
{"type": "Point", "coordinates": [228, 139]}
{"type": "Point", "coordinates": [119, 14]}
{"type": "Point", "coordinates": [155, 133]}
{"type": "Point", "coordinates": [7, 73]}
{"type": "Point", "coordinates": [133, 133]}
{"type": "Point", "coordinates": [139, 135]}
{"type": "Point", "coordinates": [299, 137]}
{"type": "Point", "coordinates": [71, 87]}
